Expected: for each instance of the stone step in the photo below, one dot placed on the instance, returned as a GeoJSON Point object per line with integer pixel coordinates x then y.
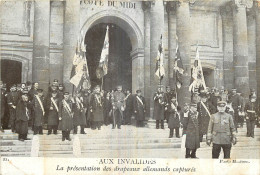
{"type": "Point", "coordinates": [16, 154]}
{"type": "Point", "coordinates": [15, 148]}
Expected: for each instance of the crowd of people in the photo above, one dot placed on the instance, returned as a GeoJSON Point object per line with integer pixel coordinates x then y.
{"type": "Point", "coordinates": [218, 114]}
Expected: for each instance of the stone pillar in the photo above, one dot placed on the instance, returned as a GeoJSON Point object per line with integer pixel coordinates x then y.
{"type": "Point", "coordinates": [146, 5]}
{"type": "Point", "coordinates": [171, 41]}
{"type": "Point", "coordinates": [184, 40]}
{"type": "Point", "coordinates": [257, 6]}
{"type": "Point", "coordinates": [70, 35]}
{"type": "Point", "coordinates": [41, 43]}
{"type": "Point", "coordinates": [240, 62]}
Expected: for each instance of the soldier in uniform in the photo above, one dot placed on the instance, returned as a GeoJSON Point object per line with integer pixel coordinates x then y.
{"type": "Point", "coordinates": [159, 107]}
{"type": "Point", "coordinates": [12, 100]}
{"type": "Point", "coordinates": [52, 108]}
{"type": "Point", "coordinates": [139, 109]}
{"type": "Point", "coordinates": [191, 127]}
{"type": "Point", "coordinates": [221, 132]}
{"type": "Point", "coordinates": [79, 118]}
{"type": "Point", "coordinates": [96, 107]}
{"type": "Point", "coordinates": [118, 103]}
{"type": "Point", "coordinates": [22, 116]}
{"type": "Point", "coordinates": [174, 117]}
{"type": "Point", "coordinates": [236, 105]}
{"type": "Point", "coordinates": [38, 112]}
{"type": "Point", "coordinates": [251, 116]}
{"type": "Point", "coordinates": [66, 108]}
{"type": "Point", "coordinates": [205, 109]}
{"type": "Point", "coordinates": [129, 107]}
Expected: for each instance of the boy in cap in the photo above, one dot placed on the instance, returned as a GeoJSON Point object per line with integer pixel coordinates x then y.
{"type": "Point", "coordinates": [251, 115]}
{"type": "Point", "coordinates": [191, 126]}
{"type": "Point", "coordinates": [38, 111]}
{"type": "Point", "coordinates": [139, 109]}
{"type": "Point", "coordinates": [52, 108]}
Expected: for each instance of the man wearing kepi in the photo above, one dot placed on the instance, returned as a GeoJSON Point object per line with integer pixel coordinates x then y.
{"type": "Point", "coordinates": [118, 102]}
{"type": "Point", "coordinates": [250, 110]}
{"type": "Point", "coordinates": [221, 132]}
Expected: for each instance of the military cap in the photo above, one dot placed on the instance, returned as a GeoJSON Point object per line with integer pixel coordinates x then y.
{"type": "Point", "coordinates": [138, 91]}
{"type": "Point", "coordinates": [222, 103]}
{"type": "Point", "coordinates": [60, 85]}
{"type": "Point", "coordinates": [252, 96]}
{"type": "Point", "coordinates": [39, 90]}
{"type": "Point", "coordinates": [55, 81]}
{"type": "Point", "coordinates": [66, 93]}
{"type": "Point", "coordinates": [119, 86]}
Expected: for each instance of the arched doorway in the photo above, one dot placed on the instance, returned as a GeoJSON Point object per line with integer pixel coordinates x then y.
{"type": "Point", "coordinates": [11, 72]}
{"type": "Point", "coordinates": [119, 61]}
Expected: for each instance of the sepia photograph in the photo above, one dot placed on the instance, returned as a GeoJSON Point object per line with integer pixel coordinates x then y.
{"type": "Point", "coordinates": [130, 87]}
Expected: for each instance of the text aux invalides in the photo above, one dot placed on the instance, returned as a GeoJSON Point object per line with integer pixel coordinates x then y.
{"type": "Point", "coordinates": [111, 3]}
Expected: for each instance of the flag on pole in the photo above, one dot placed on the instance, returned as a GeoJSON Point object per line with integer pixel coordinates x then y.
{"type": "Point", "coordinates": [103, 63]}
{"type": "Point", "coordinates": [197, 74]}
{"type": "Point", "coordinates": [178, 67]}
{"type": "Point", "coordinates": [159, 71]}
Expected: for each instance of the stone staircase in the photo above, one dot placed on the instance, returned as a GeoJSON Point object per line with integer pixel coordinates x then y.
{"type": "Point", "coordinates": [128, 141]}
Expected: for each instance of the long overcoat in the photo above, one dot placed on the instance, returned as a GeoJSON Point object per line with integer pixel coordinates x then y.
{"type": "Point", "coordinates": [159, 106]}
{"type": "Point", "coordinates": [139, 108]}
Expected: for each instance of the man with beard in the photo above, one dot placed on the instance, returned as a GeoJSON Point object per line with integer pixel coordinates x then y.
{"type": "Point", "coordinates": [118, 103]}
{"type": "Point", "coordinates": [221, 132]}
{"type": "Point", "coordinates": [205, 109]}
{"type": "Point", "coordinates": [52, 108]}
{"type": "Point", "coordinates": [159, 107]}
{"type": "Point", "coordinates": [38, 112]}
{"type": "Point", "coordinates": [12, 100]}
{"type": "Point", "coordinates": [139, 109]}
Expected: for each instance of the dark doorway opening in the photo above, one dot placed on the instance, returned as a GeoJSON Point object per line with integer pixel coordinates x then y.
{"type": "Point", "coordinates": [119, 60]}
{"type": "Point", "coordinates": [11, 72]}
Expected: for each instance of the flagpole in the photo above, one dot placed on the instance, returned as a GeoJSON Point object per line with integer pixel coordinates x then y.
{"type": "Point", "coordinates": [102, 83]}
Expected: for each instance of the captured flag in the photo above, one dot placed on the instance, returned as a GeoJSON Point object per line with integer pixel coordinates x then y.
{"type": "Point", "coordinates": [103, 63]}
{"type": "Point", "coordinates": [197, 74]}
{"type": "Point", "coordinates": [159, 71]}
{"type": "Point", "coordinates": [178, 68]}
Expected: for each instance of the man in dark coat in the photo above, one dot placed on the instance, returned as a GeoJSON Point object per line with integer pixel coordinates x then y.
{"type": "Point", "coordinates": [79, 118]}
{"type": "Point", "coordinates": [96, 107]}
{"type": "Point", "coordinates": [22, 117]}
{"type": "Point", "coordinates": [107, 109]}
{"type": "Point", "coordinates": [174, 117]}
{"type": "Point", "coordinates": [192, 132]}
{"type": "Point", "coordinates": [139, 109]}
{"type": "Point", "coordinates": [129, 108]}
{"type": "Point", "coordinates": [168, 96]}
{"type": "Point", "coordinates": [235, 99]}
{"type": "Point", "coordinates": [12, 100]}
{"type": "Point", "coordinates": [66, 108]}
{"type": "Point", "coordinates": [205, 109]}
{"type": "Point", "coordinates": [118, 103]}
{"type": "Point", "coordinates": [52, 108]}
{"type": "Point", "coordinates": [38, 111]}
{"type": "Point", "coordinates": [60, 91]}
{"type": "Point", "coordinates": [159, 107]}
{"type": "Point", "coordinates": [2, 107]}
{"type": "Point", "coordinates": [251, 115]}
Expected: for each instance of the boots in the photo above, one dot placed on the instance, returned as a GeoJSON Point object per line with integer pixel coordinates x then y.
{"type": "Point", "coordinates": [75, 130]}
{"type": "Point", "coordinates": [171, 133]}
{"type": "Point", "coordinates": [63, 135]}
{"type": "Point", "coordinates": [82, 130]}
{"type": "Point", "coordinates": [162, 124]}
{"type": "Point", "coordinates": [157, 124]}
{"type": "Point", "coordinates": [68, 135]}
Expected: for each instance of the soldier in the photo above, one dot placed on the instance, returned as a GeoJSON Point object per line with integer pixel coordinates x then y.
{"type": "Point", "coordinates": [205, 109]}
{"type": "Point", "coordinates": [22, 116]}
{"type": "Point", "coordinates": [12, 100]}
{"type": "Point", "coordinates": [66, 108]}
{"type": "Point", "coordinates": [221, 132]}
{"type": "Point", "coordinates": [129, 107]}
{"type": "Point", "coordinates": [236, 105]}
{"type": "Point", "coordinates": [79, 118]}
{"type": "Point", "coordinates": [174, 117]}
{"type": "Point", "coordinates": [139, 109]}
{"type": "Point", "coordinates": [2, 103]}
{"type": "Point", "coordinates": [192, 131]}
{"type": "Point", "coordinates": [29, 85]}
{"type": "Point", "coordinates": [96, 107]}
{"type": "Point", "coordinates": [38, 112]}
{"type": "Point", "coordinates": [159, 107]}
{"type": "Point", "coordinates": [223, 94]}
{"type": "Point", "coordinates": [251, 116]}
{"type": "Point", "coordinates": [52, 108]}
{"type": "Point", "coordinates": [118, 103]}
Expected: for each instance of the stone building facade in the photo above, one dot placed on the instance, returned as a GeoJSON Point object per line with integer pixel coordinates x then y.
{"type": "Point", "coordinates": [42, 36]}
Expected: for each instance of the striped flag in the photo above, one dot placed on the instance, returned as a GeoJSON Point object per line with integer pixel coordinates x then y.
{"type": "Point", "coordinates": [159, 71]}
{"type": "Point", "coordinates": [103, 63]}
{"type": "Point", "coordinates": [197, 76]}
{"type": "Point", "coordinates": [178, 67]}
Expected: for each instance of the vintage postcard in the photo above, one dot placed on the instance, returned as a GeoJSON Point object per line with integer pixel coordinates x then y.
{"type": "Point", "coordinates": [130, 87]}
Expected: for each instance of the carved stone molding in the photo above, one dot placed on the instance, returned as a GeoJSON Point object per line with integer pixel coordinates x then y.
{"type": "Point", "coordinates": [243, 3]}
{"type": "Point", "coordinates": [146, 5]}
{"type": "Point", "coordinates": [170, 6]}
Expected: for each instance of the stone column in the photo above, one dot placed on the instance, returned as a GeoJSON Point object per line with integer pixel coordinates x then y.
{"type": "Point", "coordinates": [171, 41]}
{"type": "Point", "coordinates": [41, 43]}
{"type": "Point", "coordinates": [240, 47]}
{"type": "Point", "coordinates": [70, 35]}
{"type": "Point", "coordinates": [184, 40]}
{"type": "Point", "coordinates": [257, 6]}
{"type": "Point", "coordinates": [146, 5]}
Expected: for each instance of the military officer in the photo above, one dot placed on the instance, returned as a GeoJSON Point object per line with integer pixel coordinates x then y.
{"type": "Point", "coordinates": [250, 111]}
{"type": "Point", "coordinates": [118, 103]}
{"type": "Point", "coordinates": [139, 109]}
{"type": "Point", "coordinates": [159, 107]}
{"type": "Point", "coordinates": [236, 105]}
{"type": "Point", "coordinates": [12, 100]}
{"type": "Point", "coordinates": [221, 132]}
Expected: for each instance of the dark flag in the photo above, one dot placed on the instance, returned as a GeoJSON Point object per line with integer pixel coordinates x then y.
{"type": "Point", "coordinates": [159, 70]}
{"type": "Point", "coordinates": [178, 68]}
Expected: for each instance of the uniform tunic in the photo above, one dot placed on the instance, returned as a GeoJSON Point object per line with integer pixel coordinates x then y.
{"type": "Point", "coordinates": [66, 122]}
{"type": "Point", "coordinates": [159, 106]}
{"type": "Point", "coordinates": [118, 101]}
{"type": "Point", "coordinates": [53, 118]}
{"type": "Point", "coordinates": [139, 107]}
{"type": "Point", "coordinates": [192, 130]}
{"type": "Point", "coordinates": [97, 106]}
